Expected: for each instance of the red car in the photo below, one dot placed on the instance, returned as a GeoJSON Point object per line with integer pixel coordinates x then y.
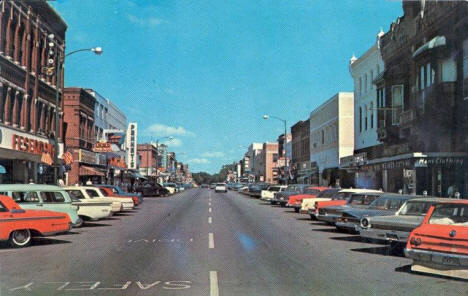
{"type": "Point", "coordinates": [106, 191]}
{"type": "Point", "coordinates": [295, 201]}
{"type": "Point", "coordinates": [18, 226]}
{"type": "Point", "coordinates": [440, 244]}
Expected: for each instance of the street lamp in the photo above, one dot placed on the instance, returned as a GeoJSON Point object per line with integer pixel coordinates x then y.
{"type": "Point", "coordinates": [58, 68]}
{"type": "Point", "coordinates": [266, 116]}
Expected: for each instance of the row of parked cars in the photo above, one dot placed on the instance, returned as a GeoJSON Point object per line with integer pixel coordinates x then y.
{"type": "Point", "coordinates": [433, 231]}
{"type": "Point", "coordinates": [165, 189]}
{"type": "Point", "coordinates": [28, 210]}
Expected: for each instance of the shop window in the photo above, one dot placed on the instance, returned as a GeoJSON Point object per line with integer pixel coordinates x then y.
{"type": "Point", "coordinates": [448, 70]}
{"type": "Point", "coordinates": [397, 103]}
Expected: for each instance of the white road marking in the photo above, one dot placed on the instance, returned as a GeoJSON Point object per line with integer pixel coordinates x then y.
{"type": "Point", "coordinates": [214, 290]}
{"type": "Point", "coordinates": [209, 210]}
{"type": "Point", "coordinates": [209, 203]}
{"type": "Point", "coordinates": [209, 220]}
{"type": "Point", "coordinates": [210, 241]}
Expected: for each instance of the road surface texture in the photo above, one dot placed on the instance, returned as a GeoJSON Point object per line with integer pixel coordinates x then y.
{"type": "Point", "coordinates": [200, 242]}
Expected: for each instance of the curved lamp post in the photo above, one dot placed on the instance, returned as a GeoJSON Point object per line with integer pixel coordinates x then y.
{"type": "Point", "coordinates": [266, 116]}
{"type": "Point", "coordinates": [58, 68]}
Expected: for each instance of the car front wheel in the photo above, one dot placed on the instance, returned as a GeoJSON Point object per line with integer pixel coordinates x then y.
{"type": "Point", "coordinates": [20, 238]}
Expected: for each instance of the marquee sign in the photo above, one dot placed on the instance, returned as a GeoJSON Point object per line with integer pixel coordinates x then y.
{"type": "Point", "coordinates": [19, 141]}
{"type": "Point", "coordinates": [102, 147]}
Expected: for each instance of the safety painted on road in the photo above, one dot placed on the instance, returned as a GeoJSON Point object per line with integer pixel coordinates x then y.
{"type": "Point", "coordinates": [158, 240]}
{"type": "Point", "coordinates": [214, 289]}
{"type": "Point", "coordinates": [209, 210]}
{"type": "Point", "coordinates": [210, 241]}
{"type": "Point", "coordinates": [209, 220]}
{"type": "Point", "coordinates": [101, 286]}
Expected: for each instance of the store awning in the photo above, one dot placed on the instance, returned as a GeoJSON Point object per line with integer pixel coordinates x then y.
{"type": "Point", "coordinates": [90, 171]}
{"type": "Point", "coordinates": [433, 43]}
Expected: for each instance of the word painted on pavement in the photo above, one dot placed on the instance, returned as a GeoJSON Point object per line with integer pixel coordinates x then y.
{"type": "Point", "coordinates": [155, 240]}
{"type": "Point", "coordinates": [100, 286]}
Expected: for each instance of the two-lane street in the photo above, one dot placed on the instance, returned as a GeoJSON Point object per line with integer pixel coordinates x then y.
{"type": "Point", "coordinates": [204, 243]}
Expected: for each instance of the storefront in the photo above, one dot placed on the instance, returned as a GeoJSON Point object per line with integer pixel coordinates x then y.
{"type": "Point", "coordinates": [440, 174]}
{"type": "Point", "coordinates": [26, 158]}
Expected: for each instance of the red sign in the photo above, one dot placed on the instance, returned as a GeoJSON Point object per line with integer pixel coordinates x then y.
{"type": "Point", "coordinates": [25, 144]}
{"type": "Point", "coordinates": [102, 147]}
{"type": "Point", "coordinates": [116, 162]}
{"type": "Point", "coordinates": [47, 159]}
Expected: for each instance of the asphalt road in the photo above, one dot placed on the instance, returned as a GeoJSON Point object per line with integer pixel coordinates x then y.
{"type": "Point", "coordinates": [203, 243]}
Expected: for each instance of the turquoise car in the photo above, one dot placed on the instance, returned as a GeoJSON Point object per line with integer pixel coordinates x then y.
{"type": "Point", "coordinates": [42, 197]}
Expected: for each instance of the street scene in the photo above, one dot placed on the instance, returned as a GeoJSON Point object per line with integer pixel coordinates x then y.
{"type": "Point", "coordinates": [233, 148]}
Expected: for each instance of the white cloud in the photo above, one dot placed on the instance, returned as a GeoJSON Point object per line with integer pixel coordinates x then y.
{"type": "Point", "coordinates": [144, 22]}
{"type": "Point", "coordinates": [199, 161]}
{"type": "Point", "coordinates": [173, 143]}
{"type": "Point", "coordinates": [214, 154]}
{"type": "Point", "coordinates": [162, 130]}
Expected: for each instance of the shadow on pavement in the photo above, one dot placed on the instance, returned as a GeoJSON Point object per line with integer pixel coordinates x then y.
{"type": "Point", "coordinates": [354, 238]}
{"type": "Point", "coordinates": [110, 219]}
{"type": "Point", "coordinates": [90, 224]}
{"type": "Point", "coordinates": [42, 241]}
{"type": "Point", "coordinates": [264, 203]}
{"type": "Point", "coordinates": [304, 219]}
{"type": "Point", "coordinates": [386, 251]}
{"type": "Point", "coordinates": [330, 230]}
{"type": "Point", "coordinates": [122, 214]}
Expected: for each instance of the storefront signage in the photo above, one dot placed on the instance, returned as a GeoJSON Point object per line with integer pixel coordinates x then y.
{"type": "Point", "coordinates": [439, 161]}
{"type": "Point", "coordinates": [116, 138]}
{"type": "Point", "coordinates": [116, 162]}
{"type": "Point", "coordinates": [102, 147]}
{"type": "Point", "coordinates": [86, 156]}
{"type": "Point", "coordinates": [14, 140]}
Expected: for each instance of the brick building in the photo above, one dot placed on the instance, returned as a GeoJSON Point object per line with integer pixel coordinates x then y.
{"type": "Point", "coordinates": [148, 154]}
{"type": "Point", "coordinates": [27, 89]}
{"type": "Point", "coordinates": [80, 136]}
{"type": "Point", "coordinates": [300, 166]}
{"type": "Point", "coordinates": [265, 163]}
{"type": "Point", "coordinates": [422, 117]}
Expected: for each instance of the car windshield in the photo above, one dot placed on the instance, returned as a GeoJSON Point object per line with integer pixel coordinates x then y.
{"type": "Point", "coordinates": [274, 188]}
{"type": "Point", "coordinates": [450, 214]}
{"type": "Point", "coordinates": [311, 191]}
{"type": "Point", "coordinates": [415, 208]}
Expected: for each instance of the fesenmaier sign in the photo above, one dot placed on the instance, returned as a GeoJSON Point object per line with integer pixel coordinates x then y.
{"type": "Point", "coordinates": [15, 140]}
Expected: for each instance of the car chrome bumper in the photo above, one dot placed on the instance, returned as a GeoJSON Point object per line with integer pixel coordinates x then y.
{"type": "Point", "coordinates": [437, 258]}
{"type": "Point", "coordinates": [327, 218]}
{"type": "Point", "coordinates": [384, 234]}
{"type": "Point", "coordinates": [348, 225]}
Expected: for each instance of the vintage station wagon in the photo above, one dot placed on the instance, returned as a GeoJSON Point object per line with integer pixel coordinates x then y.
{"type": "Point", "coordinates": [42, 197]}
{"type": "Point", "coordinates": [18, 225]}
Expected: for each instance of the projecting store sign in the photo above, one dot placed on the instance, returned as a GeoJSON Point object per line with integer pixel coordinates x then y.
{"type": "Point", "coordinates": [102, 147]}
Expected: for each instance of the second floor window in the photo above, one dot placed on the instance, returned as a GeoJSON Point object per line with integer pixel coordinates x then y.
{"type": "Point", "coordinates": [397, 103]}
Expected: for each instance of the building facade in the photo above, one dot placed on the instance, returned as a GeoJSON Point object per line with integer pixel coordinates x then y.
{"type": "Point", "coordinates": [423, 119]}
{"type": "Point", "coordinates": [284, 158]}
{"type": "Point", "coordinates": [301, 169]}
{"type": "Point", "coordinates": [331, 138]}
{"type": "Point", "coordinates": [266, 163]}
{"type": "Point", "coordinates": [366, 71]}
{"type": "Point", "coordinates": [131, 146]}
{"type": "Point", "coordinates": [252, 153]}
{"type": "Point", "coordinates": [27, 90]}
{"type": "Point", "coordinates": [80, 137]}
{"type": "Point", "coordinates": [100, 114]}
{"type": "Point", "coordinates": [147, 153]}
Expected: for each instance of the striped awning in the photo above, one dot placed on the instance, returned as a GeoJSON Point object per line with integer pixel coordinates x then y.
{"type": "Point", "coordinates": [90, 171]}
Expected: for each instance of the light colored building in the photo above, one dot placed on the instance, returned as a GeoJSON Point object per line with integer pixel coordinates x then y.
{"type": "Point", "coordinates": [365, 70]}
{"type": "Point", "coordinates": [131, 145]}
{"type": "Point", "coordinates": [367, 73]}
{"type": "Point", "coordinates": [115, 117]}
{"type": "Point", "coordinates": [332, 137]}
{"type": "Point", "coordinates": [253, 151]}
{"type": "Point", "coordinates": [100, 114]}
{"type": "Point", "coordinates": [266, 163]}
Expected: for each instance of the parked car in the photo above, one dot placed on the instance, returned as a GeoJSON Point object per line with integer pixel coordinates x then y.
{"type": "Point", "coordinates": [440, 245]}
{"type": "Point", "coordinates": [397, 228]}
{"type": "Point", "coordinates": [95, 192]}
{"type": "Point", "coordinates": [295, 201]}
{"type": "Point", "coordinates": [46, 197]}
{"type": "Point", "coordinates": [212, 185]}
{"type": "Point", "coordinates": [180, 187]}
{"type": "Point", "coordinates": [108, 192]}
{"type": "Point", "coordinates": [205, 186]}
{"type": "Point", "coordinates": [80, 193]}
{"type": "Point", "coordinates": [282, 197]}
{"type": "Point", "coordinates": [221, 187]}
{"type": "Point", "coordinates": [237, 186]}
{"type": "Point", "coordinates": [385, 205]}
{"type": "Point", "coordinates": [151, 189]}
{"type": "Point", "coordinates": [119, 191]}
{"type": "Point", "coordinates": [255, 189]}
{"type": "Point", "coordinates": [330, 211]}
{"type": "Point", "coordinates": [308, 204]}
{"type": "Point", "coordinates": [89, 210]}
{"type": "Point", "coordinates": [268, 193]}
{"type": "Point", "coordinates": [171, 187]}
{"type": "Point", "coordinates": [20, 225]}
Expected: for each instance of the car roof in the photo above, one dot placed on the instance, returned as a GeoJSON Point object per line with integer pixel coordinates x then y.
{"type": "Point", "coordinates": [454, 201]}
{"type": "Point", "coordinates": [79, 187]}
{"type": "Point", "coordinates": [434, 199]}
{"type": "Point", "coordinates": [30, 187]}
{"type": "Point", "coordinates": [360, 190]}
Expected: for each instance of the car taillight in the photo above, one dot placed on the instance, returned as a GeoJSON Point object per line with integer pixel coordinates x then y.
{"type": "Point", "coordinates": [345, 219]}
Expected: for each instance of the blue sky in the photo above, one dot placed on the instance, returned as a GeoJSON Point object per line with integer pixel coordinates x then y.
{"type": "Point", "coordinates": [205, 72]}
